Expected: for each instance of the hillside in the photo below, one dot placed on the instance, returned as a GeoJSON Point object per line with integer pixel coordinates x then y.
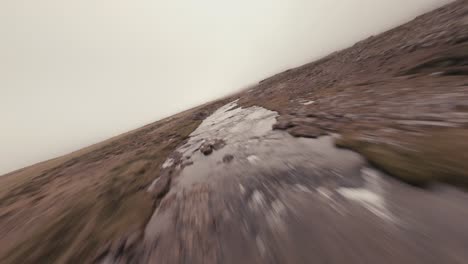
{"type": "Point", "coordinates": [256, 177]}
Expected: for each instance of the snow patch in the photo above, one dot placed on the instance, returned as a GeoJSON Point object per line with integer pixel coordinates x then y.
{"type": "Point", "coordinates": [169, 162]}
{"type": "Point", "coordinates": [253, 159]}
{"type": "Point", "coordinates": [308, 103]}
{"type": "Point", "coordinates": [370, 196]}
{"type": "Point", "coordinates": [153, 184]}
{"type": "Point", "coordinates": [257, 201]}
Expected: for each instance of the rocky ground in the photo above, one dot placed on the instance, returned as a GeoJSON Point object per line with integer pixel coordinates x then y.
{"type": "Point", "coordinates": [391, 96]}
{"type": "Point", "coordinates": [311, 165]}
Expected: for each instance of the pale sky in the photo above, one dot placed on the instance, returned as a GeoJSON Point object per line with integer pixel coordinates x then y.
{"type": "Point", "coordinates": [73, 73]}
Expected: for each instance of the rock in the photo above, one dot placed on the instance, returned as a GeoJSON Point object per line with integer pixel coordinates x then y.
{"type": "Point", "coordinates": [328, 126]}
{"type": "Point", "coordinates": [304, 121]}
{"type": "Point", "coordinates": [162, 184]}
{"type": "Point", "coordinates": [283, 122]}
{"type": "Point", "coordinates": [228, 158]}
{"type": "Point", "coordinates": [206, 149]}
{"type": "Point", "coordinates": [306, 131]}
{"type": "Point", "coordinates": [283, 125]}
{"type": "Point", "coordinates": [218, 144]}
{"type": "Point", "coordinates": [186, 163]}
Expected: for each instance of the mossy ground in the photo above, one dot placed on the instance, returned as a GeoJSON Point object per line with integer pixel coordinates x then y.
{"type": "Point", "coordinates": [439, 155]}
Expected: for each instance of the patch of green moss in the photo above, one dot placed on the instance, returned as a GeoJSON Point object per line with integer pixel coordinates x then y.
{"type": "Point", "coordinates": [438, 156]}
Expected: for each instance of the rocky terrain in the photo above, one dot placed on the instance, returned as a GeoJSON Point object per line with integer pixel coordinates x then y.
{"type": "Point", "coordinates": [359, 157]}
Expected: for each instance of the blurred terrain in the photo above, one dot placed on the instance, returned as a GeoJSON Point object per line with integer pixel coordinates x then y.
{"type": "Point", "coordinates": [359, 157]}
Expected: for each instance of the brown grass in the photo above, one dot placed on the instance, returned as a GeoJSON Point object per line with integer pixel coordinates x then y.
{"type": "Point", "coordinates": [68, 209]}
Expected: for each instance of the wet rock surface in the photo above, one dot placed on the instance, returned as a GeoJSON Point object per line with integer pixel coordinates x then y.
{"type": "Point", "coordinates": [295, 200]}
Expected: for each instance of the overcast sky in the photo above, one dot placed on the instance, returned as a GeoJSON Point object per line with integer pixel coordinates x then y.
{"type": "Point", "coordinates": [73, 73]}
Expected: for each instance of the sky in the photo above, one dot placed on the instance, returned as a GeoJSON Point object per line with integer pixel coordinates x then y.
{"type": "Point", "coordinates": [73, 73]}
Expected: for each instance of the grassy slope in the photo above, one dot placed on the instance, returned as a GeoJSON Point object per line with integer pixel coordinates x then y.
{"type": "Point", "coordinates": [65, 210]}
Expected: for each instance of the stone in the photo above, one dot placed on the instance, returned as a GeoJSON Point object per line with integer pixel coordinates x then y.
{"type": "Point", "coordinates": [283, 125]}
{"type": "Point", "coordinates": [228, 158]}
{"type": "Point", "coordinates": [206, 149]}
{"type": "Point", "coordinates": [186, 163]}
{"type": "Point", "coordinates": [218, 144]}
{"type": "Point", "coordinates": [306, 131]}
{"type": "Point", "coordinates": [283, 122]}
{"type": "Point", "coordinates": [304, 121]}
{"type": "Point", "coordinates": [161, 185]}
